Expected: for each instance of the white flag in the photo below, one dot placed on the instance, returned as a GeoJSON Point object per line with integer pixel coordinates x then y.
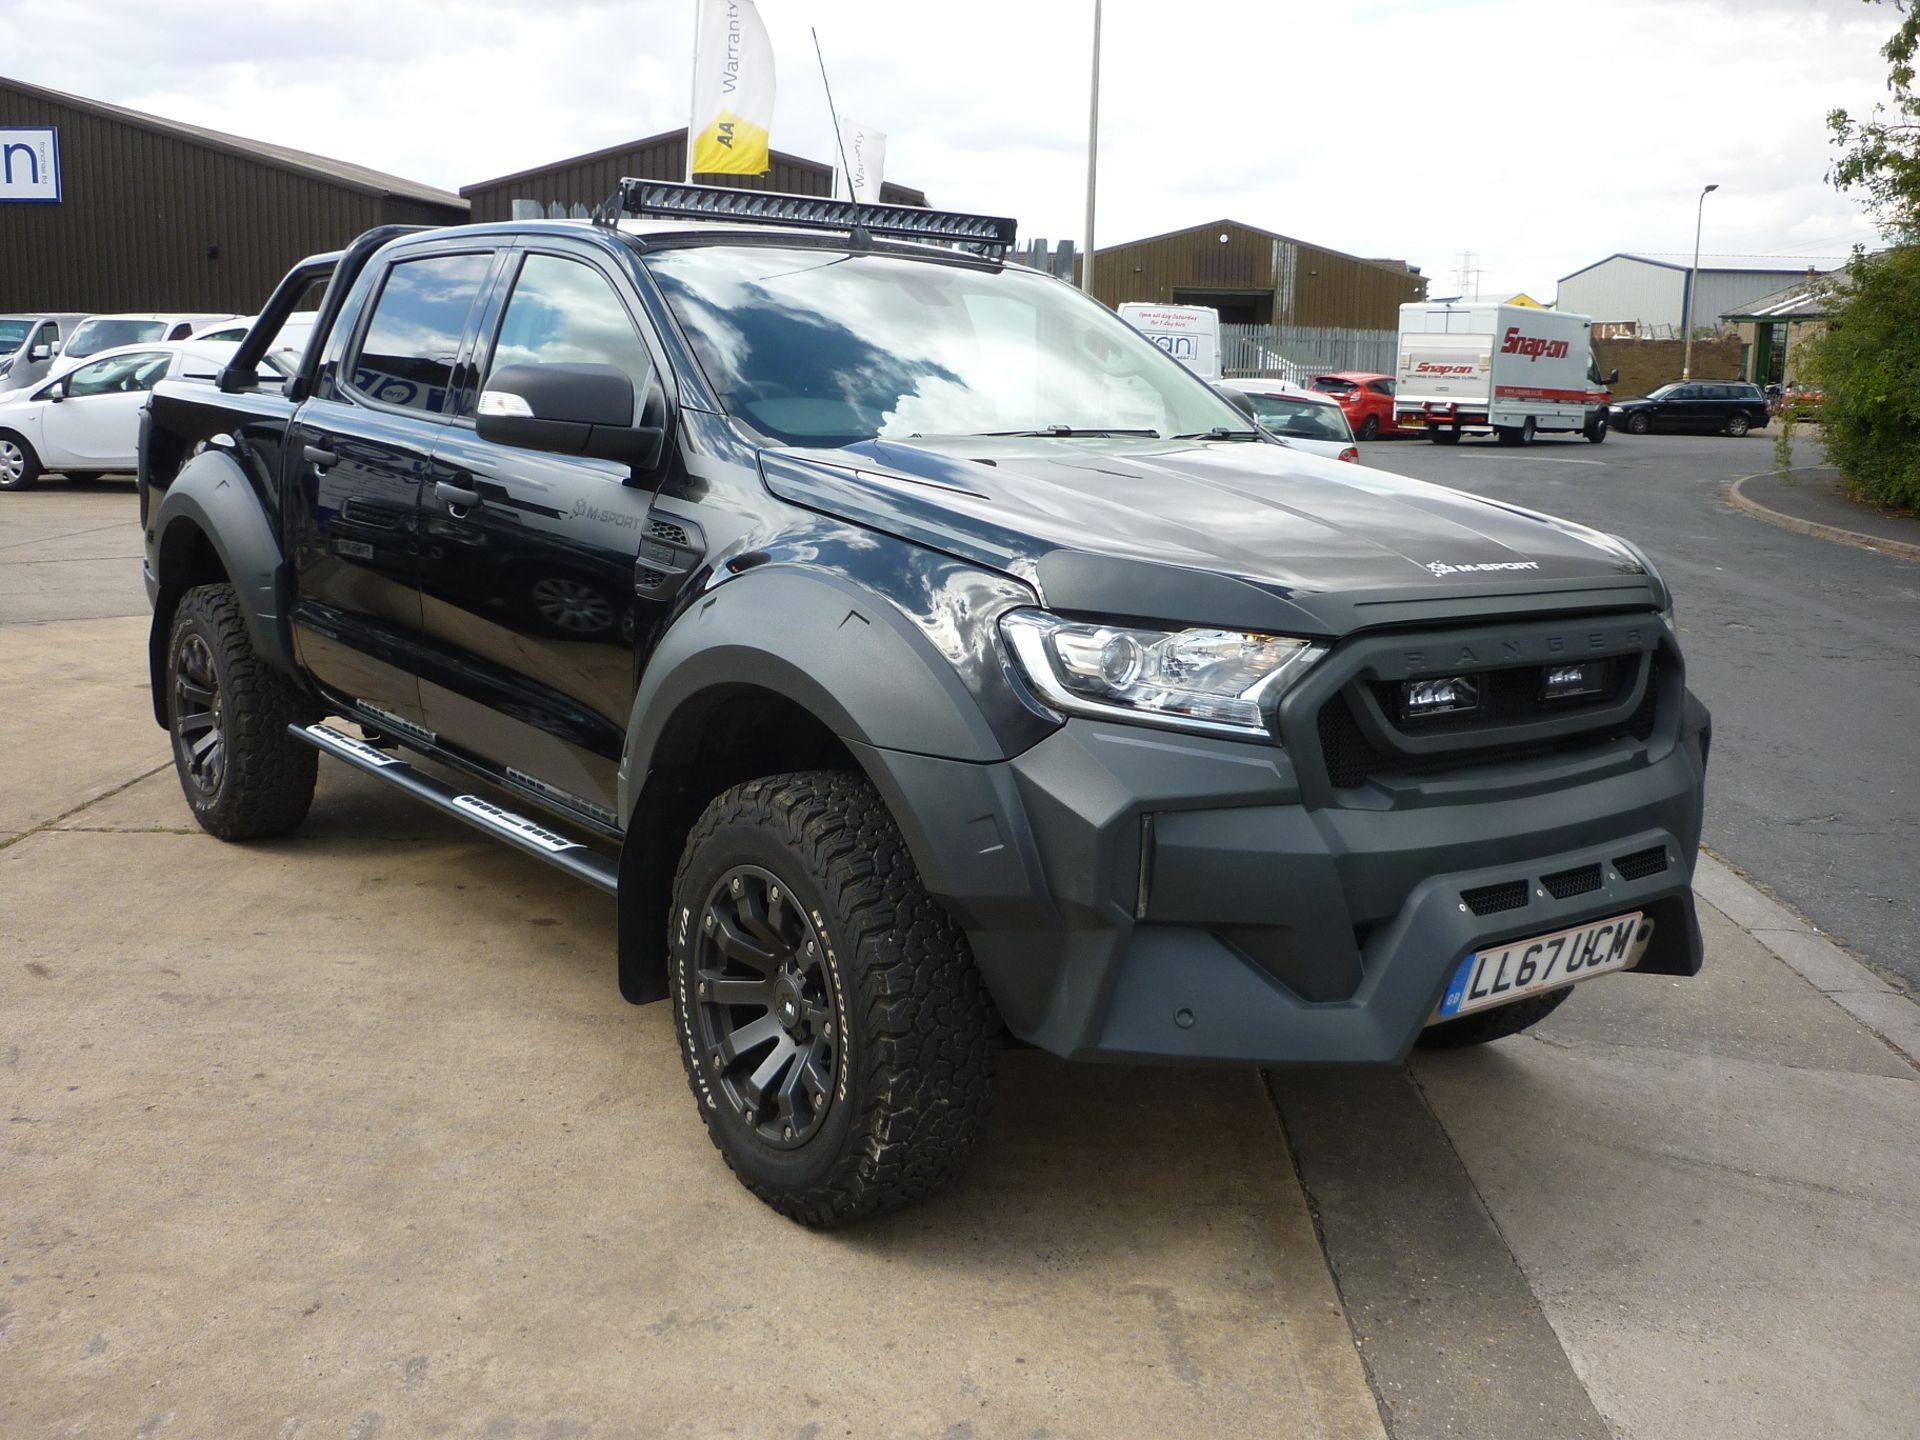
{"type": "Point", "coordinates": [732, 90]}
{"type": "Point", "coordinates": [866, 152]}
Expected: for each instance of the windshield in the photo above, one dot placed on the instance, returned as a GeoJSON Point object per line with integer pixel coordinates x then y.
{"type": "Point", "coordinates": [93, 336]}
{"type": "Point", "coordinates": [817, 347]}
{"type": "Point", "coordinates": [1663, 392]}
{"type": "Point", "coordinates": [12, 332]}
{"type": "Point", "coordinates": [1300, 419]}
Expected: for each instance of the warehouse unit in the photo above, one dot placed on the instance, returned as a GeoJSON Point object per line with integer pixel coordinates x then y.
{"type": "Point", "coordinates": [1257, 277]}
{"type": "Point", "coordinates": [119, 210]}
{"type": "Point", "coordinates": [575, 185]}
{"type": "Point", "coordinates": [1649, 291]}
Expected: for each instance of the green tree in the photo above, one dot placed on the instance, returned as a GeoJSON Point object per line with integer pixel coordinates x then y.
{"type": "Point", "coordinates": [1867, 364]}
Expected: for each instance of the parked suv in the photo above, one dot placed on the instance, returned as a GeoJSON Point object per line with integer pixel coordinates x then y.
{"type": "Point", "coordinates": [973, 668]}
{"type": "Point", "coordinates": [28, 344]}
{"type": "Point", "coordinates": [1715, 407]}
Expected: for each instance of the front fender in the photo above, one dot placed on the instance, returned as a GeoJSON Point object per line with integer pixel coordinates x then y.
{"type": "Point", "coordinates": [855, 659]}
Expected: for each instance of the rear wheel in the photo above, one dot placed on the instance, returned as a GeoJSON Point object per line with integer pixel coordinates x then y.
{"type": "Point", "coordinates": [1639, 423]}
{"type": "Point", "coordinates": [228, 712]}
{"type": "Point", "coordinates": [833, 1025]}
{"type": "Point", "coordinates": [1738, 425]}
{"type": "Point", "coordinates": [1444, 437]}
{"type": "Point", "coordinates": [1370, 428]}
{"type": "Point", "coordinates": [1495, 1024]}
{"type": "Point", "coordinates": [19, 466]}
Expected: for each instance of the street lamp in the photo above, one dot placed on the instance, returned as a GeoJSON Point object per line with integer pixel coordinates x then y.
{"type": "Point", "coordinates": [1693, 283]}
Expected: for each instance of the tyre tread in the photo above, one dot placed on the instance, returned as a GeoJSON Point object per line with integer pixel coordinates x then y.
{"type": "Point", "coordinates": [908, 978]}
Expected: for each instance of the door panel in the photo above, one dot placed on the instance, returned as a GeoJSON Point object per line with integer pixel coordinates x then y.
{"type": "Point", "coordinates": [528, 596]}
{"type": "Point", "coordinates": [97, 425]}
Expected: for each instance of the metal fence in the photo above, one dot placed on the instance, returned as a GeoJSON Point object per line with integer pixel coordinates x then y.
{"type": "Point", "coordinates": [1296, 353]}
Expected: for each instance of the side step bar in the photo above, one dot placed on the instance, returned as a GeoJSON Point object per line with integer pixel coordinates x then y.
{"type": "Point", "coordinates": [518, 831]}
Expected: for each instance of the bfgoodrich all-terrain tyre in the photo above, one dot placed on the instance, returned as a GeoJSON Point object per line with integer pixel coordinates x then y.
{"type": "Point", "coordinates": [1494, 1024]}
{"type": "Point", "coordinates": [832, 1021]}
{"type": "Point", "coordinates": [228, 711]}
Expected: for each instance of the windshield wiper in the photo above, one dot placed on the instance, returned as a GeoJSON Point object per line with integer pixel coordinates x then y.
{"type": "Point", "coordinates": [1220, 432]}
{"type": "Point", "coordinates": [1062, 430]}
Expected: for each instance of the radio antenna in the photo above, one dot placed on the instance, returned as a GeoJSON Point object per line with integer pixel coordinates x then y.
{"type": "Point", "coordinates": [839, 140]}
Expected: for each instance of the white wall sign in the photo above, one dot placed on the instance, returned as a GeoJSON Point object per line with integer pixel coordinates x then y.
{"type": "Point", "coordinates": [30, 165]}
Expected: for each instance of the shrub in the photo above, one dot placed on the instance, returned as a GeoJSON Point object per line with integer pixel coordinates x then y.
{"type": "Point", "coordinates": [1867, 366]}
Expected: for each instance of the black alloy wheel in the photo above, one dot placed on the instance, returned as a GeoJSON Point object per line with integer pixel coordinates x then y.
{"type": "Point", "coordinates": [1370, 428]}
{"type": "Point", "coordinates": [1639, 423]}
{"type": "Point", "coordinates": [834, 1028]}
{"type": "Point", "coordinates": [199, 718]}
{"type": "Point", "coordinates": [766, 1007]}
{"type": "Point", "coordinates": [1738, 425]}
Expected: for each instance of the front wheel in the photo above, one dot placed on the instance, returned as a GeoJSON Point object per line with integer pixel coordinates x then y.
{"type": "Point", "coordinates": [1639, 423]}
{"type": "Point", "coordinates": [1738, 425]}
{"type": "Point", "coordinates": [228, 712]}
{"type": "Point", "coordinates": [833, 1025]}
{"type": "Point", "coordinates": [19, 466]}
{"type": "Point", "coordinates": [1596, 429]}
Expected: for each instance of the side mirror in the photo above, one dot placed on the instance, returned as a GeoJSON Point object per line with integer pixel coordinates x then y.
{"type": "Point", "coordinates": [569, 410]}
{"type": "Point", "coordinates": [57, 391]}
{"type": "Point", "coordinates": [1613, 377]}
{"type": "Point", "coordinates": [42, 351]}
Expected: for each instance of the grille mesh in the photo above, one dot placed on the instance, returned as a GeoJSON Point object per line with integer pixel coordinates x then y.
{"type": "Point", "coordinates": [1492, 899]}
{"type": "Point", "coordinates": [666, 530]}
{"type": "Point", "coordinates": [1642, 863]}
{"type": "Point", "coordinates": [1563, 884]}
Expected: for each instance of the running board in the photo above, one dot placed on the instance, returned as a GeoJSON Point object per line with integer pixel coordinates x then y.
{"type": "Point", "coordinates": [518, 831]}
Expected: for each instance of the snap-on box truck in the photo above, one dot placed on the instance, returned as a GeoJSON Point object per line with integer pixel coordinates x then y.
{"type": "Point", "coordinates": [1511, 371]}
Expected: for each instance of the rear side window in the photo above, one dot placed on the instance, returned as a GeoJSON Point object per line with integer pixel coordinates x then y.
{"type": "Point", "coordinates": [566, 312]}
{"type": "Point", "coordinates": [413, 340]}
{"type": "Point", "coordinates": [1384, 387]}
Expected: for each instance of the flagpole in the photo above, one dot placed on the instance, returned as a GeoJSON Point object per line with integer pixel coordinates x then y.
{"type": "Point", "coordinates": [1093, 153]}
{"type": "Point", "coordinates": [693, 89]}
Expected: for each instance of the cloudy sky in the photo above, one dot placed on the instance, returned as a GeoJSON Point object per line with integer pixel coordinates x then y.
{"type": "Point", "coordinates": [1539, 134]}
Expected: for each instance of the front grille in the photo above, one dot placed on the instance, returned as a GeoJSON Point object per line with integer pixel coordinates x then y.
{"type": "Point", "coordinates": [1642, 863]}
{"type": "Point", "coordinates": [1492, 899]}
{"type": "Point", "coordinates": [1565, 884]}
{"type": "Point", "coordinates": [1351, 759]}
{"type": "Point", "coordinates": [1512, 697]}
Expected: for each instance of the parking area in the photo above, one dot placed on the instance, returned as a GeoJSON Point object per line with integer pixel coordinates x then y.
{"type": "Point", "coordinates": [350, 1134]}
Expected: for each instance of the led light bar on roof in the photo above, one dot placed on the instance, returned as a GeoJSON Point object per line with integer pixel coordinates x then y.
{"type": "Point", "coordinates": [666, 200]}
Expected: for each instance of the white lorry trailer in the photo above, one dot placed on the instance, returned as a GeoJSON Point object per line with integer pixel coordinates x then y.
{"type": "Point", "coordinates": [1510, 371]}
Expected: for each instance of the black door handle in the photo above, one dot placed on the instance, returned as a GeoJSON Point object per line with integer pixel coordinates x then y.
{"type": "Point", "coordinates": [320, 459]}
{"type": "Point", "coordinates": [455, 495]}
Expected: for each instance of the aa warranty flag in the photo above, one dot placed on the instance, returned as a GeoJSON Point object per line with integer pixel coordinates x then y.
{"type": "Point", "coordinates": [732, 90]}
{"type": "Point", "coordinates": [866, 152]}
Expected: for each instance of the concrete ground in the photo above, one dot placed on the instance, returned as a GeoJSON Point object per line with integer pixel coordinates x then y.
{"type": "Point", "coordinates": [349, 1134]}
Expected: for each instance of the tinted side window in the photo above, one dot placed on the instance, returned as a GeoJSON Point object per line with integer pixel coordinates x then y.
{"type": "Point", "coordinates": [1713, 392]}
{"type": "Point", "coordinates": [567, 312]}
{"type": "Point", "coordinates": [1686, 392]}
{"type": "Point", "coordinates": [408, 354]}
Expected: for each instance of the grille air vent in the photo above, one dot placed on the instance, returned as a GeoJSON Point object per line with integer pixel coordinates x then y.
{"type": "Point", "coordinates": [1642, 863]}
{"type": "Point", "coordinates": [1492, 899]}
{"type": "Point", "coordinates": [1564, 884]}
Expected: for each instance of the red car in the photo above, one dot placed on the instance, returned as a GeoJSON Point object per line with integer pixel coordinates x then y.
{"type": "Point", "coordinates": [1366, 397]}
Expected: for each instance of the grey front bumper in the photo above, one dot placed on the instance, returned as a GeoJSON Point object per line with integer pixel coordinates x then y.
{"type": "Point", "coordinates": [1140, 895]}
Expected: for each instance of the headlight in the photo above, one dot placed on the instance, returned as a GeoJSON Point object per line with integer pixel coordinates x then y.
{"type": "Point", "coordinates": [1210, 680]}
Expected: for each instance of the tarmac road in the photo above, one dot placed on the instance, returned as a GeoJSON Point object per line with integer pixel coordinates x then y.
{"type": "Point", "coordinates": [1808, 653]}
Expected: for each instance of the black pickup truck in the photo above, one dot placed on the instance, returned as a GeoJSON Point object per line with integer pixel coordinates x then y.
{"type": "Point", "coordinates": [918, 655]}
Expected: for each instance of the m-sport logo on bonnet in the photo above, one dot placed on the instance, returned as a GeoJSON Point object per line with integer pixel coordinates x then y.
{"type": "Point", "coordinates": [1441, 567]}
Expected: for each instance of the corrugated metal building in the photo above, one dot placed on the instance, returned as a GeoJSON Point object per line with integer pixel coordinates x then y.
{"type": "Point", "coordinates": [1257, 277]}
{"type": "Point", "coordinates": [157, 215]}
{"type": "Point", "coordinates": [1650, 291]}
{"type": "Point", "coordinates": [584, 181]}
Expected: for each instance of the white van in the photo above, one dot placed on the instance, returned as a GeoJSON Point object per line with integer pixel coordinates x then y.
{"type": "Point", "coordinates": [1506, 370]}
{"type": "Point", "coordinates": [1189, 333]}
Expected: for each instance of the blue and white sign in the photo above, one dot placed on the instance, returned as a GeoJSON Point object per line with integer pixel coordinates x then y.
{"type": "Point", "coordinates": [30, 165]}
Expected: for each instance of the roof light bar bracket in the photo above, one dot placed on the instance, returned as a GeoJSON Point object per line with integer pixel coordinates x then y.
{"type": "Point", "coordinates": [991, 235]}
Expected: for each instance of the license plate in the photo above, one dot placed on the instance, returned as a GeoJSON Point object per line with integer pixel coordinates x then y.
{"type": "Point", "coordinates": [1409, 422]}
{"type": "Point", "coordinates": [1544, 962]}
